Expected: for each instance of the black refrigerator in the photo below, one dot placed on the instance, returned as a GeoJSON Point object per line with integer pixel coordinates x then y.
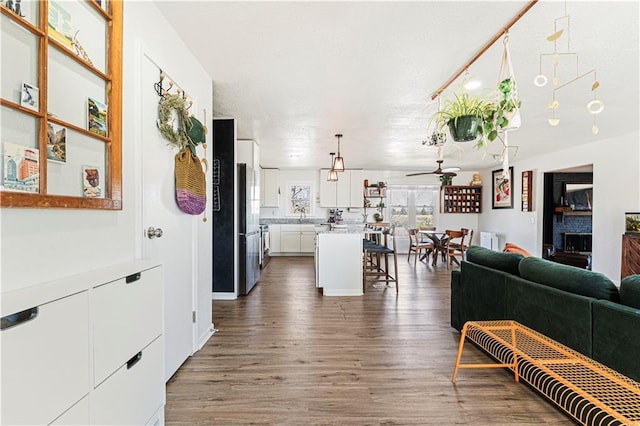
{"type": "Point", "coordinates": [236, 209]}
{"type": "Point", "coordinates": [248, 229]}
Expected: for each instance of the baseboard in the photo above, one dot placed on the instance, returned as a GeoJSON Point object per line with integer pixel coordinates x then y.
{"type": "Point", "coordinates": [220, 295]}
{"type": "Point", "coordinates": [206, 336]}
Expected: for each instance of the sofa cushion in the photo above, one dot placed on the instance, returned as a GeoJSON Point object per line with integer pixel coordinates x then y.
{"type": "Point", "coordinates": [630, 291]}
{"type": "Point", "coordinates": [568, 278]}
{"type": "Point", "coordinates": [481, 294]}
{"type": "Point", "coordinates": [560, 315]}
{"type": "Point", "coordinates": [502, 261]}
{"type": "Point", "coordinates": [616, 337]}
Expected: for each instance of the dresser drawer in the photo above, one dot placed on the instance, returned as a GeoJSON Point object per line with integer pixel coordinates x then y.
{"type": "Point", "coordinates": [127, 316]}
{"type": "Point", "coordinates": [76, 415]}
{"type": "Point", "coordinates": [45, 360]}
{"type": "Point", "coordinates": [136, 389]}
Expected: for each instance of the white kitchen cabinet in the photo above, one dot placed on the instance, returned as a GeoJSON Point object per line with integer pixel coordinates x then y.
{"type": "Point", "coordinates": [297, 238]}
{"type": "Point", "coordinates": [346, 192]}
{"type": "Point", "coordinates": [248, 152]}
{"type": "Point", "coordinates": [356, 190]}
{"type": "Point", "coordinates": [274, 237]}
{"type": "Point", "coordinates": [307, 241]}
{"type": "Point", "coordinates": [339, 263]}
{"type": "Point", "coordinates": [270, 188]}
{"type": "Point", "coordinates": [66, 344]}
{"type": "Point", "coordinates": [290, 241]}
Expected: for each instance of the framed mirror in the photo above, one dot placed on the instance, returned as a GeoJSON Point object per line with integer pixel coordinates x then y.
{"type": "Point", "coordinates": [579, 196]}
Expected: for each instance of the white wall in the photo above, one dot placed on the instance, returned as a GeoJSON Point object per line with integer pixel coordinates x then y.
{"type": "Point", "coordinates": [616, 179]}
{"type": "Point", "coordinates": [40, 245]}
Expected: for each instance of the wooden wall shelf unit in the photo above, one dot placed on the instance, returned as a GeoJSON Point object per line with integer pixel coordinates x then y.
{"type": "Point", "coordinates": [66, 69]}
{"type": "Point", "coordinates": [460, 199]}
{"type": "Point", "coordinates": [630, 255]}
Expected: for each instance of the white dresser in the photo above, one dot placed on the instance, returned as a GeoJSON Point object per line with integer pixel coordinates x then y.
{"type": "Point", "coordinates": [87, 349]}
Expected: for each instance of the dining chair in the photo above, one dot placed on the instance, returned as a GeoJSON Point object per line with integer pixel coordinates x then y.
{"type": "Point", "coordinates": [416, 246]}
{"type": "Point", "coordinates": [455, 245]}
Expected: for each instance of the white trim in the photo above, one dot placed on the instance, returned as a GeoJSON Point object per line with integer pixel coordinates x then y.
{"type": "Point", "coordinates": [223, 295]}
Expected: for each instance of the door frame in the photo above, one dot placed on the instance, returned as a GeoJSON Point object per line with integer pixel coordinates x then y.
{"type": "Point", "coordinates": [143, 53]}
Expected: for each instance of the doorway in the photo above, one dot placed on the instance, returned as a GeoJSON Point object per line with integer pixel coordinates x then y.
{"type": "Point", "coordinates": [567, 216]}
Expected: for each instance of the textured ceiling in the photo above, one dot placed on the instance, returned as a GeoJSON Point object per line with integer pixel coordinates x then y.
{"type": "Point", "coordinates": [293, 74]}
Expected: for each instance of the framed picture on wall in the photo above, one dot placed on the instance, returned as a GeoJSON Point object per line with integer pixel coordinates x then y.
{"type": "Point", "coordinates": [92, 177]}
{"type": "Point", "coordinates": [527, 182]}
{"type": "Point", "coordinates": [501, 189]}
{"type": "Point", "coordinates": [29, 97]}
{"type": "Point", "coordinates": [300, 199]}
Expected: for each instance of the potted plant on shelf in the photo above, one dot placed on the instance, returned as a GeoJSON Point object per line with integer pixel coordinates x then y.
{"type": "Point", "coordinates": [463, 115]}
{"type": "Point", "coordinates": [446, 180]}
{"type": "Point", "coordinates": [378, 217]}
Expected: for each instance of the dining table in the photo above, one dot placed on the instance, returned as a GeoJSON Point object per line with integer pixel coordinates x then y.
{"type": "Point", "coordinates": [439, 239]}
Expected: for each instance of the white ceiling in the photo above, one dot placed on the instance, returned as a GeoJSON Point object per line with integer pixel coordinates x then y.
{"type": "Point", "coordinates": [293, 74]}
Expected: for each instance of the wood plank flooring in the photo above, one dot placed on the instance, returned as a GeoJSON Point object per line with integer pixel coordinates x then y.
{"type": "Point", "coordinates": [285, 354]}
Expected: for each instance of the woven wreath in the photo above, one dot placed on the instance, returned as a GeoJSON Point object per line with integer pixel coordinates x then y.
{"type": "Point", "coordinates": [172, 120]}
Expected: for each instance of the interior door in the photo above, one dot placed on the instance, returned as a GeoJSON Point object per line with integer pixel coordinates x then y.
{"type": "Point", "coordinates": [175, 248]}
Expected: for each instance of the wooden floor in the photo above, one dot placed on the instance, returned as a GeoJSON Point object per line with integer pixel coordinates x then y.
{"type": "Point", "coordinates": [287, 355]}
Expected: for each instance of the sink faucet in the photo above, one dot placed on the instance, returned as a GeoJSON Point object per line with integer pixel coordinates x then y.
{"type": "Point", "coordinates": [303, 215]}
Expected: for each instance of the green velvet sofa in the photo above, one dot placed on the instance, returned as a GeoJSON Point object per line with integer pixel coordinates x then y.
{"type": "Point", "coordinates": [576, 307]}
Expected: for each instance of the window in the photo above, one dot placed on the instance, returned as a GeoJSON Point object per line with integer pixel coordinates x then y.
{"type": "Point", "coordinates": [411, 206]}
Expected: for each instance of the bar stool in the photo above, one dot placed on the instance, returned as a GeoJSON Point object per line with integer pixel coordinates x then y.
{"type": "Point", "coordinates": [376, 265]}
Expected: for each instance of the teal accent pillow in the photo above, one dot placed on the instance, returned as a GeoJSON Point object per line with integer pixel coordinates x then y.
{"type": "Point", "coordinates": [630, 291]}
{"type": "Point", "coordinates": [502, 261]}
{"type": "Point", "coordinates": [569, 278]}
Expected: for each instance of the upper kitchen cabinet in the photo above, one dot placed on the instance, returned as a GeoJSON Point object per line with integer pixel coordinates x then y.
{"type": "Point", "coordinates": [248, 153]}
{"type": "Point", "coordinates": [346, 192]}
{"type": "Point", "coordinates": [61, 104]}
{"type": "Point", "coordinates": [270, 188]}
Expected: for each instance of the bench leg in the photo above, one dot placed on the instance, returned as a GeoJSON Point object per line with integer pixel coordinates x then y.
{"type": "Point", "coordinates": [463, 335]}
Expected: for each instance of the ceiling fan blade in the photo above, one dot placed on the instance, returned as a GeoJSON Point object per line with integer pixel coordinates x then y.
{"type": "Point", "coordinates": [451, 169]}
{"type": "Point", "coordinates": [419, 174]}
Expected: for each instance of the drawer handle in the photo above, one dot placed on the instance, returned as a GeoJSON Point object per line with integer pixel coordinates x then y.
{"type": "Point", "coordinates": [18, 318]}
{"type": "Point", "coordinates": [134, 360]}
{"type": "Point", "coordinates": [134, 277]}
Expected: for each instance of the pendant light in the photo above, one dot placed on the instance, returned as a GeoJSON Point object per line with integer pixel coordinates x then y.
{"type": "Point", "coordinates": [333, 175]}
{"type": "Point", "coordinates": [338, 163]}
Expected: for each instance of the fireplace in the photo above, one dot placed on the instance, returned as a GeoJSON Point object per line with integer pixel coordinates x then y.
{"type": "Point", "coordinates": [577, 242]}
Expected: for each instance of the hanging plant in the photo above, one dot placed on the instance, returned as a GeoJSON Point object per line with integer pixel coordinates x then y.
{"type": "Point", "coordinates": [463, 115]}
{"type": "Point", "coordinates": [172, 121]}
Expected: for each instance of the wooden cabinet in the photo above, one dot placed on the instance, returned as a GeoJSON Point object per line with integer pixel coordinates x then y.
{"type": "Point", "coordinates": [630, 255]}
{"type": "Point", "coordinates": [87, 349]}
{"type": "Point", "coordinates": [297, 238]}
{"type": "Point", "coordinates": [346, 192]}
{"type": "Point", "coordinates": [460, 199]}
{"type": "Point", "coordinates": [62, 104]}
{"type": "Point", "coordinates": [270, 188]}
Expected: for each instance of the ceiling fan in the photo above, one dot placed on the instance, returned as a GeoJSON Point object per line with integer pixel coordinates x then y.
{"type": "Point", "coordinates": [449, 171]}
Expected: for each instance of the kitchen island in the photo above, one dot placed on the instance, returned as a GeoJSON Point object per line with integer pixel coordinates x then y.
{"type": "Point", "coordinates": [338, 257]}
